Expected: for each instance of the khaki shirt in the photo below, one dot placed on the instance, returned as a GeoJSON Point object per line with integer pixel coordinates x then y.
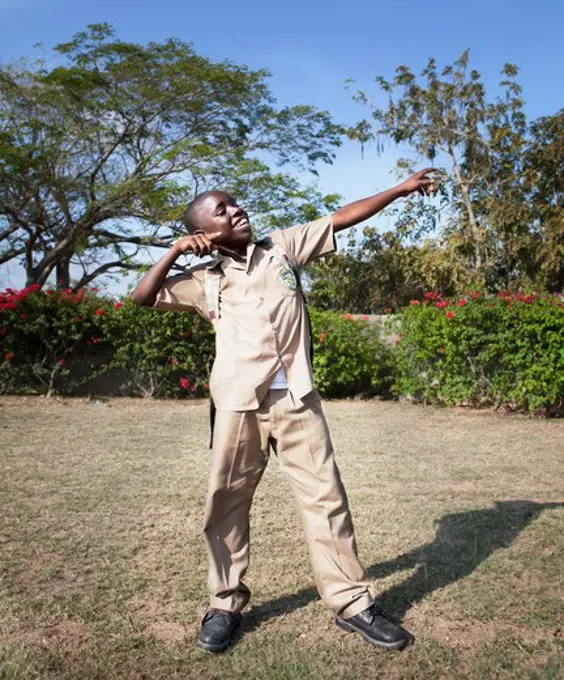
{"type": "Point", "coordinates": [262, 323]}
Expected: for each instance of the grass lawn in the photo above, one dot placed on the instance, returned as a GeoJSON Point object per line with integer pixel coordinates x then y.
{"type": "Point", "coordinates": [459, 518]}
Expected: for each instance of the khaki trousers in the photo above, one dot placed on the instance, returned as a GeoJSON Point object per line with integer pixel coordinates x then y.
{"type": "Point", "coordinates": [298, 433]}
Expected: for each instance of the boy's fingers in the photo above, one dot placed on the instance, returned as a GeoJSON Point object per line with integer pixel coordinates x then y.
{"type": "Point", "coordinates": [213, 237]}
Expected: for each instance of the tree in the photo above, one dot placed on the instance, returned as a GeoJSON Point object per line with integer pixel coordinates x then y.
{"type": "Point", "coordinates": [99, 154]}
{"type": "Point", "coordinates": [502, 188]}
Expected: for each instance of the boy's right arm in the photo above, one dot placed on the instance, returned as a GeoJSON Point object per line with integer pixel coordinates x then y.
{"type": "Point", "coordinates": [145, 294]}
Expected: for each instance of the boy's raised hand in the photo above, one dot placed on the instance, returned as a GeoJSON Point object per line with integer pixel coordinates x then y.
{"type": "Point", "coordinates": [199, 244]}
{"type": "Point", "coordinates": [419, 182]}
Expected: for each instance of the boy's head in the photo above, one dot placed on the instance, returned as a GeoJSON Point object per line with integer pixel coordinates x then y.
{"type": "Point", "coordinates": [217, 212]}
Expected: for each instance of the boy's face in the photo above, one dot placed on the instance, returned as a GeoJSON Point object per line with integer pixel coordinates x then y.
{"type": "Point", "coordinates": [219, 212]}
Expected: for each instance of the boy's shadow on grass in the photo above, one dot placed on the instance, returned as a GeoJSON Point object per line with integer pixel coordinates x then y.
{"type": "Point", "coordinates": [462, 541]}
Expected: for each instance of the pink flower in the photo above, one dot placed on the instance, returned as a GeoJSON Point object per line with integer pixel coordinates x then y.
{"type": "Point", "coordinates": [9, 355]}
{"type": "Point", "coordinates": [348, 317]}
{"type": "Point", "coordinates": [61, 362]}
{"type": "Point", "coordinates": [23, 316]}
{"type": "Point", "coordinates": [184, 383]}
{"type": "Point", "coordinates": [414, 302]}
{"type": "Point", "coordinates": [174, 361]}
{"type": "Point", "coordinates": [364, 317]}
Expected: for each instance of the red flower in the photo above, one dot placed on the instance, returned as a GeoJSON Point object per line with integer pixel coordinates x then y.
{"type": "Point", "coordinates": [184, 383]}
{"type": "Point", "coordinates": [397, 342]}
{"type": "Point", "coordinates": [364, 317]}
{"type": "Point", "coordinates": [94, 341]}
{"type": "Point", "coordinates": [75, 319]}
{"type": "Point", "coordinates": [99, 312]}
{"type": "Point", "coordinates": [322, 337]}
{"type": "Point", "coordinates": [7, 305]}
{"type": "Point", "coordinates": [388, 310]}
{"type": "Point", "coordinates": [450, 315]}
{"type": "Point", "coordinates": [174, 361]}
{"type": "Point", "coordinates": [9, 355]}
{"type": "Point", "coordinates": [491, 306]}
{"type": "Point", "coordinates": [442, 350]}
{"type": "Point", "coordinates": [61, 362]}
{"type": "Point", "coordinates": [207, 386]}
{"type": "Point", "coordinates": [349, 317]}
{"type": "Point", "coordinates": [118, 305]}
{"type": "Point", "coordinates": [441, 304]}
{"type": "Point", "coordinates": [193, 388]}
{"type": "Point", "coordinates": [23, 316]}
{"type": "Point", "coordinates": [461, 303]}
{"type": "Point", "coordinates": [414, 302]}
{"type": "Point", "coordinates": [3, 329]}
{"type": "Point", "coordinates": [474, 295]}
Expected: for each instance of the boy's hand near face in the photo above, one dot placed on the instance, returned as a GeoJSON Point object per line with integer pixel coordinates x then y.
{"type": "Point", "coordinates": [199, 244]}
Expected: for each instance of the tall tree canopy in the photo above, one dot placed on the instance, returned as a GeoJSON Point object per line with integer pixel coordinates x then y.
{"type": "Point", "coordinates": [99, 153]}
{"type": "Point", "coordinates": [501, 205]}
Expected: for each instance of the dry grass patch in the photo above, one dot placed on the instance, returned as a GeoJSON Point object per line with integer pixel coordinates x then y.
{"type": "Point", "coordinates": [459, 518]}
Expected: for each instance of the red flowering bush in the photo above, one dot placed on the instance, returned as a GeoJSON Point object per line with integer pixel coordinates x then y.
{"type": "Point", "coordinates": [348, 358]}
{"type": "Point", "coordinates": [506, 351]}
{"type": "Point", "coordinates": [59, 340]}
{"type": "Point", "coordinates": [161, 354]}
{"type": "Point", "coordinates": [44, 338]}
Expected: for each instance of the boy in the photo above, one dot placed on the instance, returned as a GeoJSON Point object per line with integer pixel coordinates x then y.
{"type": "Point", "coordinates": [262, 386]}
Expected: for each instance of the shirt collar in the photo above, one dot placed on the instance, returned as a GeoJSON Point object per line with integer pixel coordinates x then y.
{"type": "Point", "coordinates": [222, 260]}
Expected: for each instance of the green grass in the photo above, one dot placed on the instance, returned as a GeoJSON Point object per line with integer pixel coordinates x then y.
{"type": "Point", "coordinates": [459, 518]}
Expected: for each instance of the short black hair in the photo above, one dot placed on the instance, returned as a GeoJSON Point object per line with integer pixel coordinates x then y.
{"type": "Point", "coordinates": [190, 216]}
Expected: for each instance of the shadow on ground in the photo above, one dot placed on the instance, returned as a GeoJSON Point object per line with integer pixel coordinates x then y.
{"type": "Point", "coordinates": [462, 541]}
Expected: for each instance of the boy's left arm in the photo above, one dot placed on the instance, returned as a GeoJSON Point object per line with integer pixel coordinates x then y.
{"type": "Point", "coordinates": [356, 212]}
{"type": "Point", "coordinates": [307, 242]}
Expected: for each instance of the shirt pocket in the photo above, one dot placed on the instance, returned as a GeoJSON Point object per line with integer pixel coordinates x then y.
{"type": "Point", "coordinates": [281, 278]}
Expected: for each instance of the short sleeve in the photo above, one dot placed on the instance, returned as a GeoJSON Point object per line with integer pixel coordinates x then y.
{"type": "Point", "coordinates": [307, 242]}
{"type": "Point", "coordinates": [183, 292]}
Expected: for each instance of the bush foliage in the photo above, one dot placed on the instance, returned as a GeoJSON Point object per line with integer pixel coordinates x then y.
{"type": "Point", "coordinates": [473, 350]}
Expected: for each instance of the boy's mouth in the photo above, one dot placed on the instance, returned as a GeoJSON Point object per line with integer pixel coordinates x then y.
{"type": "Point", "coordinates": [242, 224]}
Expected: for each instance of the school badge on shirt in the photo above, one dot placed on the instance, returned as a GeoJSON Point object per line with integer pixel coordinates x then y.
{"type": "Point", "coordinates": [287, 276]}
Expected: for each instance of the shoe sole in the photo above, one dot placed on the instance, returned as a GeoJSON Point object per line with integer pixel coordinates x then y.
{"type": "Point", "coordinates": [206, 646]}
{"type": "Point", "coordinates": [401, 644]}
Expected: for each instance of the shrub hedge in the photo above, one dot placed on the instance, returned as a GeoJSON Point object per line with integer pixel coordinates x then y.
{"type": "Point", "coordinates": [507, 351]}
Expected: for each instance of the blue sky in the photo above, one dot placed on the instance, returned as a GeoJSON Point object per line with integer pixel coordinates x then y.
{"type": "Point", "coordinates": [312, 46]}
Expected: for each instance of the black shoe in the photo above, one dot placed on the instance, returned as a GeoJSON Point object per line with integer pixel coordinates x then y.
{"type": "Point", "coordinates": [376, 629]}
{"type": "Point", "coordinates": [217, 629]}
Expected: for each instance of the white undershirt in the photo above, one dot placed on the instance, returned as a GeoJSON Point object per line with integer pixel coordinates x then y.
{"type": "Point", "coordinates": [279, 382]}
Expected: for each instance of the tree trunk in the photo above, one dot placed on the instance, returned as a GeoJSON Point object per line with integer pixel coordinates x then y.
{"type": "Point", "coordinates": [63, 272]}
{"type": "Point", "coordinates": [471, 217]}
